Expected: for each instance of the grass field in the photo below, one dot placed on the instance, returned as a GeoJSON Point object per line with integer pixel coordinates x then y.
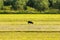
{"type": "Point", "coordinates": [29, 35]}
{"type": "Point", "coordinates": [24, 18]}
{"type": "Point", "coordinates": [17, 19]}
{"type": "Point", "coordinates": [19, 22]}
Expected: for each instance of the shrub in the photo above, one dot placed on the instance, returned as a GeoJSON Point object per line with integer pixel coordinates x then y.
{"type": "Point", "coordinates": [20, 4]}
{"type": "Point", "coordinates": [38, 4]}
{"type": "Point", "coordinates": [1, 4]}
{"type": "Point", "coordinates": [57, 4]}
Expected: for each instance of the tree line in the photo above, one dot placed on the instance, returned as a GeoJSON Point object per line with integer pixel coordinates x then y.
{"type": "Point", "coordinates": [39, 5]}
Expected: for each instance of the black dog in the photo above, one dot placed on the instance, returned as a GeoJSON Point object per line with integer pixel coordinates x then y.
{"type": "Point", "coordinates": [30, 22]}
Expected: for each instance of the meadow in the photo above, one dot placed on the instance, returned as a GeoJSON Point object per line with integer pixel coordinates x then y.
{"type": "Point", "coordinates": [11, 19]}
{"type": "Point", "coordinates": [29, 35]}
{"type": "Point", "coordinates": [24, 18]}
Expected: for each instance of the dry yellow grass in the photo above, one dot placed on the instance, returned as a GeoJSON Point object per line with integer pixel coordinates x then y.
{"type": "Point", "coordinates": [29, 35]}
{"type": "Point", "coordinates": [36, 18]}
{"type": "Point", "coordinates": [22, 19]}
{"type": "Point", "coordinates": [13, 22]}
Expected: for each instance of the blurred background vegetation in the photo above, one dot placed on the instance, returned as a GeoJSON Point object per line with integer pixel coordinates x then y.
{"type": "Point", "coordinates": [30, 6]}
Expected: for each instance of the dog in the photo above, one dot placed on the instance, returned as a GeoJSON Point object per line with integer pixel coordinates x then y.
{"type": "Point", "coordinates": [30, 22]}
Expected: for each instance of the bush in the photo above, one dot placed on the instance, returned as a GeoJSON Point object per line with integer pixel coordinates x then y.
{"type": "Point", "coordinates": [20, 4]}
{"type": "Point", "coordinates": [57, 4]}
{"type": "Point", "coordinates": [38, 4]}
{"type": "Point", "coordinates": [1, 4]}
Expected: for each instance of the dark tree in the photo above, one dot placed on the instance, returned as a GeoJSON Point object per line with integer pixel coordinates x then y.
{"type": "Point", "coordinates": [51, 3]}
{"type": "Point", "coordinates": [38, 4]}
{"type": "Point", "coordinates": [30, 3]}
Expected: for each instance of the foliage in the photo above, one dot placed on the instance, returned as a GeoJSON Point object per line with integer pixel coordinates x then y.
{"type": "Point", "coordinates": [20, 4]}
{"type": "Point", "coordinates": [57, 4]}
{"type": "Point", "coordinates": [1, 4]}
{"type": "Point", "coordinates": [32, 6]}
{"type": "Point", "coordinates": [38, 4]}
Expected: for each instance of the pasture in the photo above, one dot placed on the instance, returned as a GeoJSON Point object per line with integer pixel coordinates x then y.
{"type": "Point", "coordinates": [29, 35]}
{"type": "Point", "coordinates": [19, 22]}
{"type": "Point", "coordinates": [24, 18]}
